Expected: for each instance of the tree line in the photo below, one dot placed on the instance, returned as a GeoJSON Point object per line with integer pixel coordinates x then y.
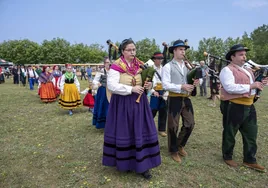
{"type": "Point", "coordinates": [60, 51]}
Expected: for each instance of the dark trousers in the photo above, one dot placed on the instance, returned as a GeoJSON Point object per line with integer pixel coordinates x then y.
{"type": "Point", "coordinates": [243, 118]}
{"type": "Point", "coordinates": [83, 76]}
{"type": "Point", "coordinates": [162, 118]}
{"type": "Point", "coordinates": [16, 79]}
{"type": "Point", "coordinates": [179, 107]}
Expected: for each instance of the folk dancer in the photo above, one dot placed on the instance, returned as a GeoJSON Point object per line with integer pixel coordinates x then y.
{"type": "Point", "coordinates": [46, 86]}
{"type": "Point", "coordinates": [101, 102]}
{"type": "Point", "coordinates": [70, 89]}
{"type": "Point", "coordinates": [32, 76]}
{"type": "Point", "coordinates": [88, 100]}
{"type": "Point", "coordinates": [57, 74]}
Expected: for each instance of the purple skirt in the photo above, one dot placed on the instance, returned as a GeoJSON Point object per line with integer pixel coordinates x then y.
{"type": "Point", "coordinates": [130, 138]}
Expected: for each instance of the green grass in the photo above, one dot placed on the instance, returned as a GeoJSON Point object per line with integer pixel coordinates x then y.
{"type": "Point", "coordinates": [42, 146]}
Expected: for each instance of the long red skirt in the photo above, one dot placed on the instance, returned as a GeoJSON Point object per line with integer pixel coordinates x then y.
{"type": "Point", "coordinates": [47, 92]}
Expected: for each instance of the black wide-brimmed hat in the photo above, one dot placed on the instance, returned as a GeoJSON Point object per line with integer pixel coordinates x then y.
{"type": "Point", "coordinates": [157, 55]}
{"type": "Point", "coordinates": [177, 43]}
{"type": "Point", "coordinates": [235, 48]}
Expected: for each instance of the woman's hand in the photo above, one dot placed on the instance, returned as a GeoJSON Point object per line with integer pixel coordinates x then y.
{"type": "Point", "coordinates": [137, 89]}
{"type": "Point", "coordinates": [148, 85]}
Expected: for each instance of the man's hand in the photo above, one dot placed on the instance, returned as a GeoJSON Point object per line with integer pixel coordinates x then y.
{"type": "Point", "coordinates": [265, 81]}
{"type": "Point", "coordinates": [156, 94]}
{"type": "Point", "coordinates": [256, 85]}
{"type": "Point", "coordinates": [196, 82]}
{"type": "Point", "coordinates": [187, 87]}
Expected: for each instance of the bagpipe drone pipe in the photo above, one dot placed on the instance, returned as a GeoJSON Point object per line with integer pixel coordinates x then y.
{"type": "Point", "coordinates": [112, 50]}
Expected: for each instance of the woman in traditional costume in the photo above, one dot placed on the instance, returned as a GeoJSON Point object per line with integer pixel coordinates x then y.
{"type": "Point", "coordinates": [70, 88]}
{"type": "Point", "coordinates": [46, 86]}
{"type": "Point", "coordinates": [57, 74]}
{"type": "Point", "coordinates": [101, 102]}
{"type": "Point", "coordinates": [89, 99]}
{"type": "Point", "coordinates": [130, 138]}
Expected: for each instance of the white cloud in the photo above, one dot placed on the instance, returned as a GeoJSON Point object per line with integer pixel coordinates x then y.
{"type": "Point", "coordinates": [250, 4]}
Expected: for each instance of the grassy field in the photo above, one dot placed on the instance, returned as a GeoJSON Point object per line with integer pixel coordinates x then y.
{"type": "Point", "coordinates": [42, 146]}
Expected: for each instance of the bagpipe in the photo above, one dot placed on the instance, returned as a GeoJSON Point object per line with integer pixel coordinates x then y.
{"type": "Point", "coordinates": [260, 71]}
{"type": "Point", "coordinates": [151, 72]}
{"type": "Point", "coordinates": [195, 72]}
{"type": "Point", "coordinates": [147, 75]}
{"type": "Point", "coordinates": [112, 55]}
{"type": "Point", "coordinates": [166, 54]}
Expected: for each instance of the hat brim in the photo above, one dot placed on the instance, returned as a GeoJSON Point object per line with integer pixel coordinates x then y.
{"type": "Point", "coordinates": [231, 52]}
{"type": "Point", "coordinates": [171, 48]}
{"type": "Point", "coordinates": [157, 57]}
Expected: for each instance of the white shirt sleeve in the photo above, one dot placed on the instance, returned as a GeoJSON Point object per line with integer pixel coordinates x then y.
{"type": "Point", "coordinates": [114, 86]}
{"type": "Point", "coordinates": [84, 91]}
{"type": "Point", "coordinates": [36, 75]}
{"type": "Point", "coordinates": [77, 83]}
{"type": "Point", "coordinates": [58, 83]}
{"type": "Point", "coordinates": [53, 81]}
{"type": "Point", "coordinates": [97, 77]}
{"type": "Point", "coordinates": [228, 82]}
{"type": "Point", "coordinates": [166, 81]}
{"type": "Point", "coordinates": [154, 83]}
{"type": "Point", "coordinates": [62, 82]}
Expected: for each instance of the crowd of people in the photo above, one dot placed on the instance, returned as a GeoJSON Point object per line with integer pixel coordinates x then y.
{"type": "Point", "coordinates": [118, 95]}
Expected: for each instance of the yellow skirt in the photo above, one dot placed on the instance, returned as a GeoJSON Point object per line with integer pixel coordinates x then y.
{"type": "Point", "coordinates": [47, 92]}
{"type": "Point", "coordinates": [70, 98]}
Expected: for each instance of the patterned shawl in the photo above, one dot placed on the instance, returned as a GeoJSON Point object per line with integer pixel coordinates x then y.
{"type": "Point", "coordinates": [122, 66]}
{"type": "Point", "coordinates": [44, 78]}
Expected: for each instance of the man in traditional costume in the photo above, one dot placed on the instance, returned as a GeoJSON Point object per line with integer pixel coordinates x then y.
{"type": "Point", "coordinates": [32, 76]}
{"type": "Point", "coordinates": [174, 80]}
{"type": "Point", "coordinates": [237, 97]}
{"type": "Point", "coordinates": [158, 102]}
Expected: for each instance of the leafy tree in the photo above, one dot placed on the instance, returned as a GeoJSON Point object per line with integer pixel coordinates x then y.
{"type": "Point", "coordinates": [146, 48]}
{"type": "Point", "coordinates": [260, 42]}
{"type": "Point", "coordinates": [20, 51]}
{"type": "Point", "coordinates": [55, 51]}
{"type": "Point", "coordinates": [212, 46]}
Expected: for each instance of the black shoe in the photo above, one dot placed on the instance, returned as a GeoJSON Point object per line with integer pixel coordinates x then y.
{"type": "Point", "coordinates": [209, 97]}
{"type": "Point", "coordinates": [147, 175]}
